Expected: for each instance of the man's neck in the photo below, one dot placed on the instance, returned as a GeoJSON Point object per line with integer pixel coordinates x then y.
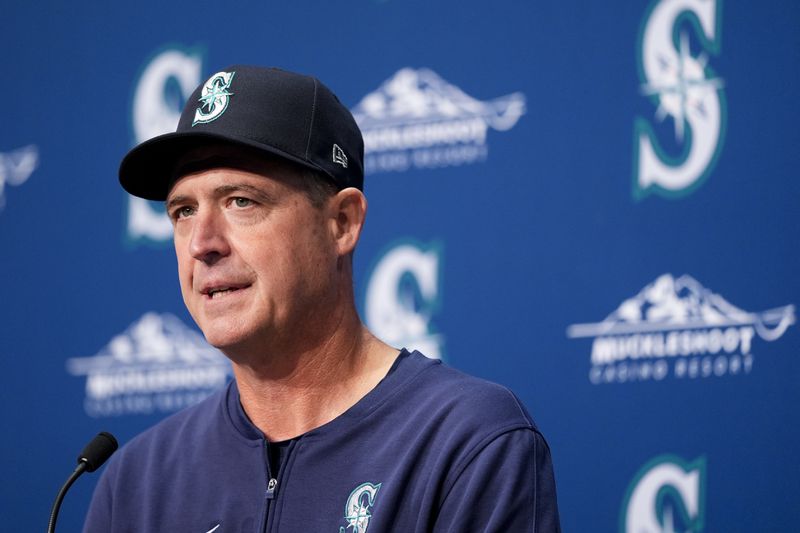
{"type": "Point", "coordinates": [302, 391]}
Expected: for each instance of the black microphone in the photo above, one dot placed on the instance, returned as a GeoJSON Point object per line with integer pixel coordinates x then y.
{"type": "Point", "coordinates": [91, 458]}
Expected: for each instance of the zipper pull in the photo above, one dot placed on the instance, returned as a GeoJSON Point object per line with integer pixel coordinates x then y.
{"type": "Point", "coordinates": [271, 487]}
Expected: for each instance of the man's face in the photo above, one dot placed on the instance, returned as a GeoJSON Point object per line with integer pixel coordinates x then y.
{"type": "Point", "coordinates": [256, 259]}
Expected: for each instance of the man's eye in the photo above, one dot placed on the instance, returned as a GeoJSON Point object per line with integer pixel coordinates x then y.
{"type": "Point", "coordinates": [183, 212]}
{"type": "Point", "coordinates": [242, 202]}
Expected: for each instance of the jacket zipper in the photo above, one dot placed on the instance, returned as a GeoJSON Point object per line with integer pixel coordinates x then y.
{"type": "Point", "coordinates": [272, 487]}
{"type": "Point", "coordinates": [273, 482]}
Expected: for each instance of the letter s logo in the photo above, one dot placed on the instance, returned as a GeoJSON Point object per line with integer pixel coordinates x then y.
{"type": "Point", "coordinates": [357, 510]}
{"type": "Point", "coordinates": [164, 85]}
{"type": "Point", "coordinates": [403, 295]}
{"type": "Point", "coordinates": [683, 87]}
{"type": "Point", "coordinates": [665, 491]}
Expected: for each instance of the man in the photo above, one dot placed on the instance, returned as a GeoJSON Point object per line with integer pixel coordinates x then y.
{"type": "Point", "coordinates": [325, 428]}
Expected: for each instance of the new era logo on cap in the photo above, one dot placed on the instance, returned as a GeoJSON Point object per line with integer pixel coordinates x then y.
{"type": "Point", "coordinates": [339, 156]}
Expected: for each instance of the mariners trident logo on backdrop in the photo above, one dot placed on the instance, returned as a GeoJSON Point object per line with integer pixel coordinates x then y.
{"type": "Point", "coordinates": [417, 119]}
{"type": "Point", "coordinates": [677, 327]}
{"type": "Point", "coordinates": [666, 496]}
{"type": "Point", "coordinates": [357, 510]}
{"type": "Point", "coordinates": [402, 297]}
{"type": "Point", "coordinates": [215, 97]}
{"type": "Point", "coordinates": [157, 365]}
{"type": "Point", "coordinates": [165, 84]}
{"type": "Point", "coordinates": [683, 87]}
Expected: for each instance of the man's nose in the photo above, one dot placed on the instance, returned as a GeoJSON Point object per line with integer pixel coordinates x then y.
{"type": "Point", "coordinates": [209, 242]}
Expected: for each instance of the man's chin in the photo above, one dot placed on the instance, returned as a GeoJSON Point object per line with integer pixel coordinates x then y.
{"type": "Point", "coordinates": [237, 347]}
{"type": "Point", "coordinates": [221, 332]}
{"type": "Point", "coordinates": [223, 343]}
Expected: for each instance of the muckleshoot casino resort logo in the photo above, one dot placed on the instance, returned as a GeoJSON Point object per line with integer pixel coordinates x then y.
{"type": "Point", "coordinates": [415, 119]}
{"type": "Point", "coordinates": [677, 328]}
{"type": "Point", "coordinates": [666, 496]}
{"type": "Point", "coordinates": [157, 365]}
{"type": "Point", "coordinates": [683, 87]}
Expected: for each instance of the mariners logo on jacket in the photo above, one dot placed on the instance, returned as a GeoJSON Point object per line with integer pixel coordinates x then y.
{"type": "Point", "coordinates": [357, 510]}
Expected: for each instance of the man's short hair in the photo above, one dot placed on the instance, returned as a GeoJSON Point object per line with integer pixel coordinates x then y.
{"type": "Point", "coordinates": [316, 186]}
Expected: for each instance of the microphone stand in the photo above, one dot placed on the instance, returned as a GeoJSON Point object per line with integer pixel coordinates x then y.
{"type": "Point", "coordinates": [80, 469]}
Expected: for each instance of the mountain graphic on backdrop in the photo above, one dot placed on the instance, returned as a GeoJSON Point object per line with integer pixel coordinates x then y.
{"type": "Point", "coordinates": [421, 95]}
{"type": "Point", "coordinates": [152, 341]}
{"type": "Point", "coordinates": [677, 301]}
{"type": "Point", "coordinates": [680, 303]}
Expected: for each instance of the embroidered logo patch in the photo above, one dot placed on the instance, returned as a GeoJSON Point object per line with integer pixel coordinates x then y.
{"type": "Point", "coordinates": [215, 98]}
{"type": "Point", "coordinates": [357, 510]}
{"type": "Point", "coordinates": [339, 156]}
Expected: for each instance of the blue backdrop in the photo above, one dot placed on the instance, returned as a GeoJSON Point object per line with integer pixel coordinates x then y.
{"type": "Point", "coordinates": [592, 203]}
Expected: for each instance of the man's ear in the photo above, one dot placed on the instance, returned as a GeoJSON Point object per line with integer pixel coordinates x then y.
{"type": "Point", "coordinates": [348, 209]}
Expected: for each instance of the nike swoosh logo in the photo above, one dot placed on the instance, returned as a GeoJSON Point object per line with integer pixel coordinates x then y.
{"type": "Point", "coordinates": [213, 528]}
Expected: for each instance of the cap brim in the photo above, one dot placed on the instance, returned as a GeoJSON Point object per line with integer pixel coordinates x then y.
{"type": "Point", "coordinates": [148, 170]}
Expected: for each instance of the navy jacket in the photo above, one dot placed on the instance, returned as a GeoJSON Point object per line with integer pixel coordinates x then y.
{"type": "Point", "coordinates": [430, 449]}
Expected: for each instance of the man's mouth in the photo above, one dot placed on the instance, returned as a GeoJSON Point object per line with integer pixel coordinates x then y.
{"type": "Point", "coordinates": [216, 293]}
{"type": "Point", "coordinates": [219, 293]}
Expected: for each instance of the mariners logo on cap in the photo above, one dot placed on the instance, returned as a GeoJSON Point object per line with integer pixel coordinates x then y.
{"type": "Point", "coordinates": [215, 97]}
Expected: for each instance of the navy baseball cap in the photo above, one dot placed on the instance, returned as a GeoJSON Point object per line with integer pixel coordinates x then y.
{"type": "Point", "coordinates": [279, 113]}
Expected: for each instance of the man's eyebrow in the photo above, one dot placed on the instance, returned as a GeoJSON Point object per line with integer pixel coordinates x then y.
{"type": "Point", "coordinates": [175, 200]}
{"type": "Point", "coordinates": [232, 188]}
{"type": "Point", "coordinates": [224, 190]}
